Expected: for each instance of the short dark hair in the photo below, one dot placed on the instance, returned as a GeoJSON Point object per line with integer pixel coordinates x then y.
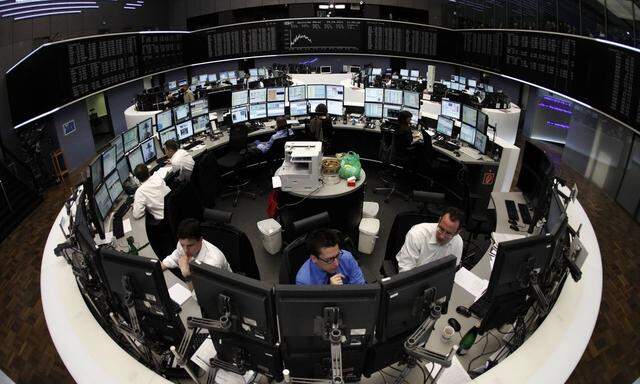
{"type": "Point", "coordinates": [189, 229]}
{"type": "Point", "coordinates": [403, 116]}
{"type": "Point", "coordinates": [171, 144]}
{"type": "Point", "coordinates": [321, 109]}
{"type": "Point", "coordinates": [455, 214]}
{"type": "Point", "coordinates": [321, 238]}
{"type": "Point", "coordinates": [141, 172]}
{"type": "Point", "coordinates": [281, 123]}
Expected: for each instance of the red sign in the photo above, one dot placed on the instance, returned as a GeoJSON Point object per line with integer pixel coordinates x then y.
{"type": "Point", "coordinates": [489, 178]}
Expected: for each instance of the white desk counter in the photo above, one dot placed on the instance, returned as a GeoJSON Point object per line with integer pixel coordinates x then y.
{"type": "Point", "coordinates": [133, 117]}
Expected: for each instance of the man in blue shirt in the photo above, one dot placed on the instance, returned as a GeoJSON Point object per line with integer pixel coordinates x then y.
{"type": "Point", "coordinates": [281, 131]}
{"type": "Point", "coordinates": [328, 264]}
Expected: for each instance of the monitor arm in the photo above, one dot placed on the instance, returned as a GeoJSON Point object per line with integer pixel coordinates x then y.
{"type": "Point", "coordinates": [333, 332]}
{"type": "Point", "coordinates": [542, 299]}
{"type": "Point", "coordinates": [413, 346]}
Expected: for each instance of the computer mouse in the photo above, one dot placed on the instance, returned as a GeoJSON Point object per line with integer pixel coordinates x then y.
{"type": "Point", "coordinates": [454, 324]}
{"type": "Point", "coordinates": [464, 311]}
{"type": "Point", "coordinates": [456, 153]}
{"type": "Point", "coordinates": [514, 227]}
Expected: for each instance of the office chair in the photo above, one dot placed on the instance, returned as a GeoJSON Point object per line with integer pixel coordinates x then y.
{"type": "Point", "coordinates": [216, 216]}
{"type": "Point", "coordinates": [179, 204]}
{"type": "Point", "coordinates": [205, 179]}
{"type": "Point", "coordinates": [432, 163]}
{"type": "Point", "coordinates": [391, 154]}
{"type": "Point", "coordinates": [235, 246]}
{"type": "Point", "coordinates": [234, 160]}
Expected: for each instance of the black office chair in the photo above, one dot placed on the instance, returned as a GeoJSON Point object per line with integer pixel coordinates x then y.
{"type": "Point", "coordinates": [179, 204]}
{"type": "Point", "coordinates": [235, 246]}
{"type": "Point", "coordinates": [205, 179]}
{"type": "Point", "coordinates": [401, 225]}
{"type": "Point", "coordinates": [393, 153]}
{"type": "Point", "coordinates": [432, 163]}
{"type": "Point", "coordinates": [160, 236]}
{"type": "Point", "coordinates": [234, 160]}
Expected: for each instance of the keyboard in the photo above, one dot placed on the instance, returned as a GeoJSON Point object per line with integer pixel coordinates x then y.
{"type": "Point", "coordinates": [449, 146]}
{"type": "Point", "coordinates": [524, 213]}
{"type": "Point", "coordinates": [512, 211]}
{"type": "Point", "coordinates": [472, 153]}
{"type": "Point", "coordinates": [192, 144]}
{"type": "Point", "coordinates": [118, 228]}
{"type": "Point", "coordinates": [480, 307]}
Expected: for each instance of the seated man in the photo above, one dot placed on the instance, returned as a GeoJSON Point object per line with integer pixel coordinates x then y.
{"type": "Point", "coordinates": [150, 194]}
{"type": "Point", "coordinates": [427, 242]}
{"type": "Point", "coordinates": [181, 160]}
{"type": "Point", "coordinates": [281, 131]}
{"type": "Point", "coordinates": [328, 264]}
{"type": "Point", "coordinates": [191, 246]}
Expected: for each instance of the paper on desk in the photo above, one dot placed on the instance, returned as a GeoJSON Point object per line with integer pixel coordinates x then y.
{"type": "Point", "coordinates": [470, 282]}
{"type": "Point", "coordinates": [179, 294]}
{"type": "Point", "coordinates": [204, 354]}
{"type": "Point", "coordinates": [455, 374]}
{"type": "Point", "coordinates": [126, 228]}
{"type": "Point", "coordinates": [197, 147]}
{"type": "Point", "coordinates": [500, 237]}
{"type": "Point", "coordinates": [226, 377]}
{"type": "Point", "coordinates": [277, 183]}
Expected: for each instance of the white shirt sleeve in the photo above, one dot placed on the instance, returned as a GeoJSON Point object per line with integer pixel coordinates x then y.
{"type": "Point", "coordinates": [457, 248]}
{"type": "Point", "coordinates": [139, 203]}
{"type": "Point", "coordinates": [409, 253]}
{"type": "Point", "coordinates": [171, 261]}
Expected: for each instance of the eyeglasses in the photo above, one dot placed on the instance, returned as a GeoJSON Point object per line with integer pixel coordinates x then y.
{"type": "Point", "coordinates": [445, 233]}
{"type": "Point", "coordinates": [331, 259]}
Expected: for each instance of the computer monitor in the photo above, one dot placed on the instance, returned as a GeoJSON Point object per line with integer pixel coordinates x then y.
{"type": "Point", "coordinates": [391, 111]}
{"type": "Point", "coordinates": [298, 92]}
{"type": "Point", "coordinates": [258, 95]}
{"type": "Point", "coordinates": [148, 150]}
{"type": "Point", "coordinates": [95, 171]}
{"type": "Point", "coordinates": [373, 110]}
{"type": "Point", "coordinates": [472, 83]}
{"type": "Point", "coordinates": [194, 80]}
{"type": "Point", "coordinates": [373, 95]}
{"type": "Point", "coordinates": [117, 142]}
{"type": "Point", "coordinates": [172, 85]}
{"type": "Point", "coordinates": [469, 115]}
{"type": "Point", "coordinates": [250, 301]}
{"type": "Point", "coordinates": [114, 185]}
{"type": "Point", "coordinates": [200, 123]}
{"type": "Point", "coordinates": [393, 96]}
{"type": "Point", "coordinates": [334, 107]}
{"type": "Point", "coordinates": [450, 109]}
{"type": "Point", "coordinates": [447, 84]}
{"type": "Point", "coordinates": [298, 108]}
{"type": "Point", "coordinates": [253, 72]}
{"type": "Point", "coordinates": [232, 75]}
{"type": "Point", "coordinates": [109, 160]}
{"type": "Point", "coordinates": [141, 279]}
{"type": "Point", "coordinates": [184, 130]}
{"type": "Point", "coordinates": [224, 75]}
{"type": "Point", "coordinates": [182, 82]}
{"type": "Point", "coordinates": [325, 69]}
{"type": "Point", "coordinates": [404, 72]}
{"type": "Point", "coordinates": [488, 88]}
{"type": "Point", "coordinates": [480, 142]}
{"type": "Point", "coordinates": [376, 71]}
{"type": "Point", "coordinates": [239, 98]}
{"type": "Point", "coordinates": [123, 169]}
{"type": "Point", "coordinates": [145, 129]}
{"type": "Point", "coordinates": [313, 104]}
{"type": "Point", "coordinates": [415, 73]}
{"type": "Point", "coordinates": [444, 126]}
{"type": "Point", "coordinates": [275, 109]}
{"type": "Point", "coordinates": [536, 178]}
{"type": "Point", "coordinates": [316, 91]}
{"type": "Point", "coordinates": [103, 201]}
{"type": "Point", "coordinates": [257, 111]}
{"type": "Point", "coordinates": [354, 69]}
{"type": "Point", "coordinates": [262, 72]}
{"type": "Point", "coordinates": [335, 92]}
{"type": "Point", "coordinates": [164, 120]}
{"type": "Point", "coordinates": [275, 94]}
{"type": "Point", "coordinates": [411, 100]}
{"type": "Point", "coordinates": [213, 77]}
{"type": "Point", "coordinates": [415, 114]}
{"type": "Point", "coordinates": [406, 298]}
{"type": "Point", "coordinates": [203, 78]}
{"type": "Point", "coordinates": [181, 113]}
{"type": "Point", "coordinates": [481, 122]}
{"type": "Point", "coordinates": [239, 114]}
{"type": "Point", "coordinates": [168, 134]}
{"type": "Point", "coordinates": [462, 80]}
{"type": "Point", "coordinates": [467, 134]}
{"type": "Point", "coordinates": [135, 157]}
{"type": "Point", "coordinates": [130, 139]}
{"type": "Point", "coordinates": [199, 107]}
{"type": "Point", "coordinates": [454, 78]}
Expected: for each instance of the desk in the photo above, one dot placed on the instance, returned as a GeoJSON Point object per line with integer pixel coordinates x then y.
{"type": "Point", "coordinates": [133, 117]}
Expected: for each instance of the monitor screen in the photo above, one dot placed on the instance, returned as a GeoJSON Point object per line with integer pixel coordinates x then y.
{"type": "Point", "coordinates": [257, 111]}
{"type": "Point", "coordinates": [224, 76]}
{"type": "Point", "coordinates": [213, 77]}
{"type": "Point", "coordinates": [135, 158]}
{"type": "Point", "coordinates": [275, 109]}
{"type": "Point", "coordinates": [488, 88]}
{"type": "Point", "coordinates": [373, 110]}
{"type": "Point", "coordinates": [462, 80]}
{"type": "Point", "coordinates": [404, 72]}
{"type": "Point", "coordinates": [373, 95]}
{"type": "Point", "coordinates": [444, 126]}
{"type": "Point", "coordinates": [415, 73]}
{"type": "Point", "coordinates": [114, 186]}
{"type": "Point", "coordinates": [96, 172]}
{"type": "Point", "coordinates": [173, 85]}
{"type": "Point", "coordinates": [481, 142]}
{"type": "Point", "coordinates": [103, 201]}
{"type": "Point", "coordinates": [335, 92]}
{"type": "Point", "coordinates": [184, 130]}
{"type": "Point", "coordinates": [412, 99]}
{"type": "Point", "coordinates": [109, 159]}
{"type": "Point", "coordinates": [117, 142]}
{"type": "Point", "coordinates": [200, 123]}
{"type": "Point", "coordinates": [354, 69]}
{"type": "Point", "coordinates": [468, 133]}
{"type": "Point", "coordinates": [325, 69]}
{"type": "Point", "coordinates": [182, 82]}
{"type": "Point", "coordinates": [231, 74]}
{"type": "Point", "coordinates": [148, 150]}
{"type": "Point", "coordinates": [469, 115]}
{"type": "Point", "coordinates": [298, 108]}
{"type": "Point", "coordinates": [181, 113]}
{"type": "Point", "coordinates": [313, 104]}
{"type": "Point", "coordinates": [450, 109]}
{"type": "Point", "coordinates": [334, 107]}
{"type": "Point", "coordinates": [471, 83]}
{"type": "Point", "coordinates": [258, 95]}
{"type": "Point", "coordinates": [238, 98]}
{"type": "Point", "coordinates": [194, 80]}
{"type": "Point", "coordinates": [481, 122]}
{"type": "Point", "coordinates": [168, 134]}
{"type": "Point", "coordinates": [203, 78]}
{"type": "Point", "coordinates": [391, 111]}
{"type": "Point", "coordinates": [275, 94]}
{"type": "Point", "coordinates": [253, 72]}
{"type": "Point", "coordinates": [239, 115]}
{"type": "Point", "coordinates": [262, 72]}
{"type": "Point", "coordinates": [454, 78]}
{"type": "Point", "coordinates": [376, 72]}
{"type": "Point", "coordinates": [415, 114]}
{"type": "Point", "coordinates": [130, 139]}
{"type": "Point", "coordinates": [393, 96]}
{"type": "Point", "coordinates": [164, 120]}
{"type": "Point", "coordinates": [199, 107]}
{"type": "Point", "coordinates": [145, 129]}
{"type": "Point", "coordinates": [123, 169]}
{"type": "Point", "coordinates": [447, 84]}
{"type": "Point", "coordinates": [316, 92]}
{"type": "Point", "coordinates": [298, 92]}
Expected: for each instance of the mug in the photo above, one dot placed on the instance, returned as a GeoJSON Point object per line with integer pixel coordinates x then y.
{"type": "Point", "coordinates": [447, 332]}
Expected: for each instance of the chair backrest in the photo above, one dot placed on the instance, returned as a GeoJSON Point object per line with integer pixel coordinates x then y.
{"type": "Point", "coordinates": [235, 246]}
{"type": "Point", "coordinates": [311, 223]}
{"type": "Point", "coordinates": [181, 203]}
{"type": "Point", "coordinates": [386, 145]}
{"type": "Point", "coordinates": [401, 225]}
{"type": "Point", "coordinates": [238, 136]}
{"type": "Point", "coordinates": [205, 178]}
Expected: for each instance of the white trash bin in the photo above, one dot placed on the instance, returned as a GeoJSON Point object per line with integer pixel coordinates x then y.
{"type": "Point", "coordinates": [369, 229]}
{"type": "Point", "coordinates": [271, 232]}
{"type": "Point", "coordinates": [370, 209]}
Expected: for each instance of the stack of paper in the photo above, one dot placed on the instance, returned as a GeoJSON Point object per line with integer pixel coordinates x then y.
{"type": "Point", "coordinates": [455, 374]}
{"type": "Point", "coordinates": [471, 283]}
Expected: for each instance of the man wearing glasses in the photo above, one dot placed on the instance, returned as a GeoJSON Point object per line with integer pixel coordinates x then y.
{"type": "Point", "coordinates": [427, 242]}
{"type": "Point", "coordinates": [328, 264]}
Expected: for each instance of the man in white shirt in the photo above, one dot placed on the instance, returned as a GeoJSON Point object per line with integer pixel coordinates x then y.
{"type": "Point", "coordinates": [192, 246]}
{"type": "Point", "coordinates": [427, 242]}
{"type": "Point", "coordinates": [181, 160]}
{"type": "Point", "coordinates": [150, 194]}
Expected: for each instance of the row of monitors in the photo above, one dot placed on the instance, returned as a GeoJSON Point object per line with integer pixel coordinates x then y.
{"type": "Point", "coordinates": [296, 108]}
{"type": "Point", "coordinates": [407, 73]}
{"type": "Point", "coordinates": [389, 111]}
{"type": "Point", "coordinates": [296, 93]}
{"type": "Point", "coordinates": [212, 77]}
{"type": "Point", "coordinates": [181, 113]}
{"type": "Point", "coordinates": [468, 133]}
{"type": "Point", "coordinates": [464, 113]}
{"type": "Point", "coordinates": [462, 84]}
{"type": "Point", "coordinates": [392, 96]}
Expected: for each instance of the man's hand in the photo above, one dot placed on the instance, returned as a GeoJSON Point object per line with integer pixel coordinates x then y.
{"type": "Point", "coordinates": [336, 279]}
{"type": "Point", "coordinates": [183, 263]}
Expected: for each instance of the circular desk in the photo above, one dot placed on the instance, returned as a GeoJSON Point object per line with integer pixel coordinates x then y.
{"type": "Point", "coordinates": [133, 116]}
